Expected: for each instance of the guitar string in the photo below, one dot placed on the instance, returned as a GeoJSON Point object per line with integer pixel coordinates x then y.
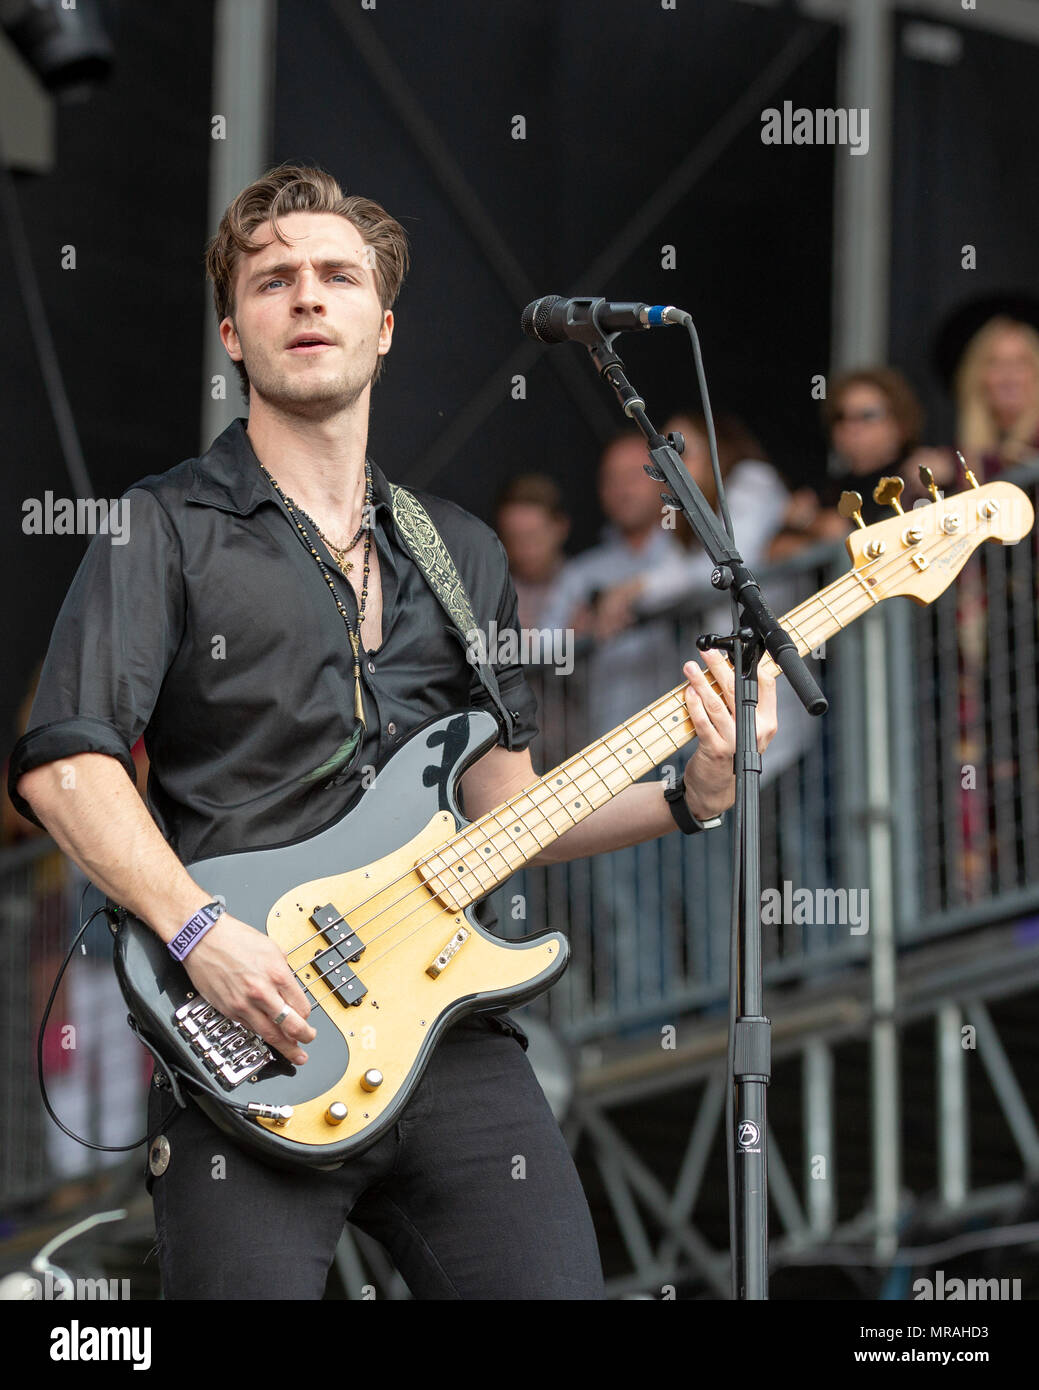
{"type": "Point", "coordinates": [848, 581]}
{"type": "Point", "coordinates": [438, 910]}
{"type": "Point", "coordinates": [841, 582]}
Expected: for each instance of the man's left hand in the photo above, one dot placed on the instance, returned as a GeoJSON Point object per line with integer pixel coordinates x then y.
{"type": "Point", "coordinates": [710, 785]}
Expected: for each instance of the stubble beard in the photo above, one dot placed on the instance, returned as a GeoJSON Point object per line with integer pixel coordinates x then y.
{"type": "Point", "coordinates": [308, 396]}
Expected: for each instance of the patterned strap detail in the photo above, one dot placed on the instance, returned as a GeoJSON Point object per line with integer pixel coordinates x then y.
{"type": "Point", "coordinates": [434, 560]}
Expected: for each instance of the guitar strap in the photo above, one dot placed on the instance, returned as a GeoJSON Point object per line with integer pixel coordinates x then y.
{"type": "Point", "coordinates": [426, 546]}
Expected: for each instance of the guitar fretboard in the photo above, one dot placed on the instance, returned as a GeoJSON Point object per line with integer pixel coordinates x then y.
{"type": "Point", "coordinates": [489, 850]}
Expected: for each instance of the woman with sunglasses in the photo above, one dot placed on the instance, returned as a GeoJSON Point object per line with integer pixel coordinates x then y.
{"type": "Point", "coordinates": [873, 421]}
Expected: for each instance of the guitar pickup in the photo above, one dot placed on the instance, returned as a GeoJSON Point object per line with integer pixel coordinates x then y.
{"type": "Point", "coordinates": [333, 970]}
{"type": "Point", "coordinates": [336, 931]}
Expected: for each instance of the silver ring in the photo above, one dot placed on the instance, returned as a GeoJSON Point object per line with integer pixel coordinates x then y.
{"type": "Point", "coordinates": [281, 1018]}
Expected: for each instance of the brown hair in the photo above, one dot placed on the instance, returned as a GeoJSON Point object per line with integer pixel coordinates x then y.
{"type": "Point", "coordinates": [900, 396]}
{"type": "Point", "coordinates": [532, 489]}
{"type": "Point", "coordinates": [300, 188]}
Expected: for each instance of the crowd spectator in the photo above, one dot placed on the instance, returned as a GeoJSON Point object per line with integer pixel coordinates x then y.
{"type": "Point", "coordinates": [997, 396]}
{"type": "Point", "coordinates": [628, 669]}
{"type": "Point", "coordinates": [873, 422]}
{"type": "Point", "coordinates": [757, 499]}
{"type": "Point", "coordinates": [533, 526]}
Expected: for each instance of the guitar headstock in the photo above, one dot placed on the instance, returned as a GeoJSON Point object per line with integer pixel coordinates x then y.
{"type": "Point", "coordinates": [918, 553]}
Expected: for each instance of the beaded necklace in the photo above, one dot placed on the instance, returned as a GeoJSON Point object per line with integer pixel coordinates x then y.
{"type": "Point", "coordinates": [340, 554]}
{"type": "Point", "coordinates": [355, 637]}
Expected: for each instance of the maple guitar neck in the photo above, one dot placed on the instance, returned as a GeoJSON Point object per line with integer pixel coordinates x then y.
{"type": "Point", "coordinates": [490, 849]}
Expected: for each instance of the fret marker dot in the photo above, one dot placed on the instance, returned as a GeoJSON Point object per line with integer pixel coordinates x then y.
{"type": "Point", "coordinates": [576, 804]}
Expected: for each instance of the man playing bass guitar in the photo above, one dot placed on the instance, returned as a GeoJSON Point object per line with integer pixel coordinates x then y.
{"type": "Point", "coordinates": [267, 631]}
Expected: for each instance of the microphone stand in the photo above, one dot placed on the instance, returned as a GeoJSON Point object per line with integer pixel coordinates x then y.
{"type": "Point", "coordinates": [758, 631]}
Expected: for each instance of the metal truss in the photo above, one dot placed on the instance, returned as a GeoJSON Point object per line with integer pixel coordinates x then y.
{"type": "Point", "coordinates": [952, 985]}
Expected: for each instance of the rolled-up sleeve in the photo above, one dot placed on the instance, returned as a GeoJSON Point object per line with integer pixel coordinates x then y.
{"type": "Point", "coordinates": [516, 694]}
{"type": "Point", "coordinates": [113, 642]}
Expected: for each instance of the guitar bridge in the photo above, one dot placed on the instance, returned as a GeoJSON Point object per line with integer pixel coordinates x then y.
{"type": "Point", "coordinates": [231, 1051]}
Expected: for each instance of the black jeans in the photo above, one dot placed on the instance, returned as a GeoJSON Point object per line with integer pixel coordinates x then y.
{"type": "Point", "coordinates": [473, 1194]}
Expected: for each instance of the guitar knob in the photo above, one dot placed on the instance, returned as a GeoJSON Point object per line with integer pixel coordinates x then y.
{"type": "Point", "coordinates": [371, 1080]}
{"type": "Point", "coordinates": [887, 492]}
{"type": "Point", "coordinates": [336, 1113]}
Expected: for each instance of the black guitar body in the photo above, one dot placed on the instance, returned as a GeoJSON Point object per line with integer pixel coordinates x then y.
{"type": "Point", "coordinates": [417, 783]}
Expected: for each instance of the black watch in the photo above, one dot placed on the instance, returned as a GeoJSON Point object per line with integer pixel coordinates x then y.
{"type": "Point", "coordinates": [684, 818]}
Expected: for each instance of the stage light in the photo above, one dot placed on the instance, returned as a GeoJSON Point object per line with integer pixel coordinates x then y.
{"type": "Point", "coordinates": [66, 48]}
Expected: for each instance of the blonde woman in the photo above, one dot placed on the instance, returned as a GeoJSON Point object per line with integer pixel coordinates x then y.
{"type": "Point", "coordinates": [997, 393]}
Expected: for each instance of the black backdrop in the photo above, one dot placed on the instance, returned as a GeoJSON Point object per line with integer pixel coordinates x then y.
{"type": "Point", "coordinates": [129, 193]}
{"type": "Point", "coordinates": [963, 174]}
{"type": "Point", "coordinates": [615, 98]}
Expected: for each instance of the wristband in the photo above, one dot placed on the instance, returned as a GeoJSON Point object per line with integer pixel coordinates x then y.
{"type": "Point", "coordinates": [194, 929]}
{"type": "Point", "coordinates": [684, 818]}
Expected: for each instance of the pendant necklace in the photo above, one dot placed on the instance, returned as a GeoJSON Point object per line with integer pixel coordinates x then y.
{"type": "Point", "coordinates": [296, 512]}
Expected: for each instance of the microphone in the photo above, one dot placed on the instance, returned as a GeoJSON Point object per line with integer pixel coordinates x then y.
{"type": "Point", "coordinates": [553, 319]}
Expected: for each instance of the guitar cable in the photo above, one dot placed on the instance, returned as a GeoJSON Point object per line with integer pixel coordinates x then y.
{"type": "Point", "coordinates": [167, 1067]}
{"type": "Point", "coordinates": [104, 1148]}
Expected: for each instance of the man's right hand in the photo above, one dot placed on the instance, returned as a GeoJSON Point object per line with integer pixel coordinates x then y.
{"type": "Point", "coordinates": [244, 973]}
{"type": "Point", "coordinates": [239, 970]}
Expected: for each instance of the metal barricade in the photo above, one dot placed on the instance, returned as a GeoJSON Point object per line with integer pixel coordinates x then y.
{"type": "Point", "coordinates": [975, 816]}
{"type": "Point", "coordinates": [649, 925]}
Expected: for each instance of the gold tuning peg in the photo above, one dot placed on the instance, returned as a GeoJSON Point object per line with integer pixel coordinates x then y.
{"type": "Point", "coordinates": [966, 471]}
{"type": "Point", "coordinates": [850, 507]}
{"type": "Point", "coordinates": [887, 492]}
{"type": "Point", "coordinates": [927, 478]}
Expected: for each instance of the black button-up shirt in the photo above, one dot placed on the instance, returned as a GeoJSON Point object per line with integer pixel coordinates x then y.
{"type": "Point", "coordinates": [213, 633]}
